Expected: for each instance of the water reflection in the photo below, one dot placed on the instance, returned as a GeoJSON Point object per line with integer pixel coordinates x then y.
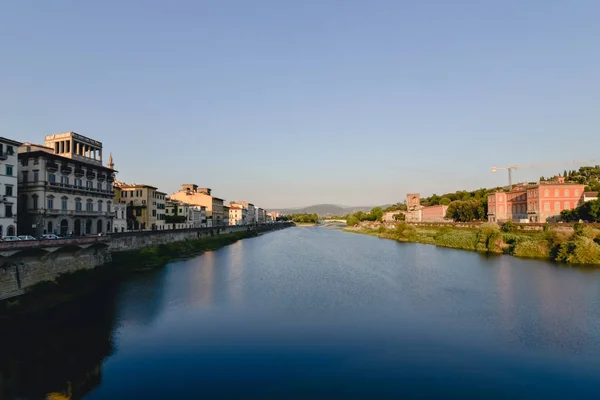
{"type": "Point", "coordinates": [60, 354]}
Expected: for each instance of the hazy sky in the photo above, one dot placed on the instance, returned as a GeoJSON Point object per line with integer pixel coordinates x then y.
{"type": "Point", "coordinates": [291, 103]}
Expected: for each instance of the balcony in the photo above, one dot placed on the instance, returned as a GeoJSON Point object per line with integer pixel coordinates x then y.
{"type": "Point", "coordinates": [52, 166]}
{"type": "Point", "coordinates": [90, 175]}
{"type": "Point", "coordinates": [65, 170]}
{"type": "Point", "coordinates": [3, 155]}
{"type": "Point", "coordinates": [79, 172]}
{"type": "Point", "coordinates": [101, 177]}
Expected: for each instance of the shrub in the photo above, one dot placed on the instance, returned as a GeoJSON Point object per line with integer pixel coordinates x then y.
{"type": "Point", "coordinates": [532, 249]}
{"type": "Point", "coordinates": [487, 236]}
{"type": "Point", "coordinates": [508, 226]}
{"type": "Point", "coordinates": [589, 232]}
{"type": "Point", "coordinates": [381, 229]}
{"type": "Point", "coordinates": [466, 240]}
{"type": "Point", "coordinates": [580, 250]}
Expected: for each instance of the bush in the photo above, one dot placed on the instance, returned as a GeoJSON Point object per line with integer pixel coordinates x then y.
{"type": "Point", "coordinates": [580, 250]}
{"type": "Point", "coordinates": [589, 232]}
{"type": "Point", "coordinates": [509, 226]}
{"type": "Point", "coordinates": [466, 240]}
{"type": "Point", "coordinates": [487, 236]}
{"type": "Point", "coordinates": [381, 229]}
{"type": "Point", "coordinates": [532, 249]}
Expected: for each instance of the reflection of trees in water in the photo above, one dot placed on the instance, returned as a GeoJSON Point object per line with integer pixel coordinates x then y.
{"type": "Point", "coordinates": [59, 353]}
{"type": "Point", "coordinates": [141, 299]}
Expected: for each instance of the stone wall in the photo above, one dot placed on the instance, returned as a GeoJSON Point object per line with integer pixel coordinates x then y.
{"type": "Point", "coordinates": [24, 270]}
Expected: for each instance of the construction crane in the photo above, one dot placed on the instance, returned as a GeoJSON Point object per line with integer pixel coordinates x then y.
{"type": "Point", "coordinates": [510, 168]}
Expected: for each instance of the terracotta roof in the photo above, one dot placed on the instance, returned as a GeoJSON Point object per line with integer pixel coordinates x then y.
{"type": "Point", "coordinates": [590, 194]}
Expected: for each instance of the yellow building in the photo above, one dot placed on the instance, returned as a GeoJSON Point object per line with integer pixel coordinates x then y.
{"type": "Point", "coordinates": [192, 194]}
{"type": "Point", "coordinates": [141, 206]}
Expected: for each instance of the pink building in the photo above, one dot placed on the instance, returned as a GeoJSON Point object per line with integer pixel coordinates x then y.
{"type": "Point", "coordinates": [541, 202]}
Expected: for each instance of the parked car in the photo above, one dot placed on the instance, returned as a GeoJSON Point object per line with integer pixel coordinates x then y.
{"type": "Point", "coordinates": [26, 237]}
{"type": "Point", "coordinates": [49, 236]}
{"type": "Point", "coordinates": [10, 238]}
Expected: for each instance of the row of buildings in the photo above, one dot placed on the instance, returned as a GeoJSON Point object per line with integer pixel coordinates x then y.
{"type": "Point", "coordinates": [63, 187]}
{"type": "Point", "coordinates": [539, 202]}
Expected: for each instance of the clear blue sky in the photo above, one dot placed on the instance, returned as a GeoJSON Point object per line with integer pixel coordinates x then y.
{"type": "Point", "coordinates": [291, 103]}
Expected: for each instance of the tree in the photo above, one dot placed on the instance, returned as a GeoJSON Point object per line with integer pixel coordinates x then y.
{"type": "Point", "coordinates": [590, 211]}
{"type": "Point", "coordinates": [376, 214]}
{"type": "Point", "coordinates": [445, 201]}
{"type": "Point", "coordinates": [400, 217]}
{"type": "Point", "coordinates": [466, 211]}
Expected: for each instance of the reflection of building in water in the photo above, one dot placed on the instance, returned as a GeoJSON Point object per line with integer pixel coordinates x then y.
{"type": "Point", "coordinates": [235, 268]}
{"type": "Point", "coordinates": [58, 354]}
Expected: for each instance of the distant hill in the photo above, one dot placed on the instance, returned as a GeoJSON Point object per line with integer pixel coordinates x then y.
{"type": "Point", "coordinates": [324, 210]}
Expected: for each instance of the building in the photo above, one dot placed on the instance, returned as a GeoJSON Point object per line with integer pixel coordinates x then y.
{"type": "Point", "coordinates": [390, 216]}
{"type": "Point", "coordinates": [541, 202]}
{"type": "Point", "coordinates": [434, 213]}
{"type": "Point", "coordinates": [270, 219]}
{"type": "Point", "coordinates": [589, 196]}
{"type": "Point", "coordinates": [141, 206]}
{"type": "Point", "coordinates": [197, 215]}
{"type": "Point", "coordinates": [225, 214]}
{"type": "Point", "coordinates": [64, 188]}
{"type": "Point", "coordinates": [160, 203]}
{"type": "Point", "coordinates": [120, 220]}
{"type": "Point", "coordinates": [261, 216]}
{"type": "Point", "coordinates": [237, 215]}
{"type": "Point", "coordinates": [178, 214]}
{"type": "Point", "coordinates": [274, 215]}
{"type": "Point", "coordinates": [192, 194]}
{"type": "Point", "coordinates": [250, 211]}
{"type": "Point", "coordinates": [9, 171]}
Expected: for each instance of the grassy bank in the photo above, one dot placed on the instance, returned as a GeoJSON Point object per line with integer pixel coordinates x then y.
{"type": "Point", "coordinates": [72, 286]}
{"type": "Point", "coordinates": [580, 247]}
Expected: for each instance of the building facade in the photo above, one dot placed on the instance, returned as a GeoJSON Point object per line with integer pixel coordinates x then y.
{"type": "Point", "coordinates": [9, 170]}
{"type": "Point", "coordinates": [141, 206]}
{"type": "Point", "coordinates": [541, 202]}
{"type": "Point", "coordinates": [194, 195]}
{"type": "Point", "coordinates": [237, 215]}
{"type": "Point", "coordinates": [64, 188]}
{"type": "Point", "coordinates": [160, 204]}
{"type": "Point", "coordinates": [590, 196]}
{"type": "Point", "coordinates": [250, 211]}
{"type": "Point", "coordinates": [225, 214]}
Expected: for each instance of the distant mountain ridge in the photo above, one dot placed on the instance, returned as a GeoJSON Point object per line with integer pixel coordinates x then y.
{"type": "Point", "coordinates": [324, 210]}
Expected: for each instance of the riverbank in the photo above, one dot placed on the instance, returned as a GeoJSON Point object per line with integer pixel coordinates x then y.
{"type": "Point", "coordinates": [305, 224]}
{"type": "Point", "coordinates": [69, 287]}
{"type": "Point", "coordinates": [580, 247]}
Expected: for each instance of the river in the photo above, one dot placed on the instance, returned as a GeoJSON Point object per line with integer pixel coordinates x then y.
{"type": "Point", "coordinates": [313, 312]}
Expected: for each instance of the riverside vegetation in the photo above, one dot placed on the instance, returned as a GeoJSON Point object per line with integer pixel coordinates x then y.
{"type": "Point", "coordinates": [582, 246]}
{"type": "Point", "coordinates": [71, 286]}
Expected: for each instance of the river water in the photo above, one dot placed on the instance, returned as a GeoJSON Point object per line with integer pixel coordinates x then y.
{"type": "Point", "coordinates": [319, 313]}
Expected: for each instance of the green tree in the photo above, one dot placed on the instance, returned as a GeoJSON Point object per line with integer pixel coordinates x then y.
{"type": "Point", "coordinates": [376, 214]}
{"type": "Point", "coordinates": [400, 217]}
{"type": "Point", "coordinates": [466, 211]}
{"type": "Point", "coordinates": [590, 211]}
{"type": "Point", "coordinates": [445, 201]}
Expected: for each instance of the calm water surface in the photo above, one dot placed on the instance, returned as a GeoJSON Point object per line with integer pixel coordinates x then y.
{"type": "Point", "coordinates": [314, 312]}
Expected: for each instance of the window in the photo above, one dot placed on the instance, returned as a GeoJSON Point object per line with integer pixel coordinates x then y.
{"type": "Point", "coordinates": [556, 193]}
{"type": "Point", "coordinates": [546, 193]}
{"type": "Point", "coordinates": [90, 184]}
{"type": "Point", "coordinates": [10, 150]}
{"type": "Point", "coordinates": [8, 210]}
{"type": "Point", "coordinates": [9, 190]}
{"type": "Point", "coordinates": [36, 176]}
{"type": "Point", "coordinates": [35, 201]}
{"type": "Point", "coordinates": [138, 212]}
{"type": "Point", "coordinates": [154, 213]}
{"type": "Point", "coordinates": [99, 186]}
{"type": "Point", "coordinates": [108, 204]}
{"type": "Point", "coordinates": [25, 176]}
{"type": "Point", "coordinates": [78, 206]}
{"type": "Point", "coordinates": [78, 182]}
{"type": "Point", "coordinates": [63, 204]}
{"type": "Point", "coordinates": [547, 206]}
{"type": "Point", "coordinates": [576, 193]}
{"type": "Point", "coordinates": [566, 192]}
{"type": "Point", "coordinates": [51, 178]}
{"type": "Point", "coordinates": [64, 180]}
{"type": "Point", "coordinates": [124, 194]}
{"type": "Point", "coordinates": [557, 206]}
{"type": "Point", "coordinates": [50, 204]}
{"type": "Point", "coordinates": [567, 205]}
{"type": "Point", "coordinates": [89, 206]}
{"type": "Point", "coordinates": [9, 170]}
{"type": "Point", "coordinates": [99, 206]}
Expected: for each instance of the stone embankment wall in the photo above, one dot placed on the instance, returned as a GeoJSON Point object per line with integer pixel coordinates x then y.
{"type": "Point", "coordinates": [25, 269]}
{"type": "Point", "coordinates": [23, 264]}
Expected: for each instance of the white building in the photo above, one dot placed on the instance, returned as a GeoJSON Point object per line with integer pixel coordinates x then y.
{"type": "Point", "coordinates": [237, 215]}
{"type": "Point", "coordinates": [590, 196]}
{"type": "Point", "coordinates": [261, 216]}
{"type": "Point", "coordinates": [250, 211]}
{"type": "Point", "coordinates": [120, 220]}
{"type": "Point", "coordinates": [8, 186]}
{"type": "Point", "coordinates": [160, 203]}
{"type": "Point", "coordinates": [64, 188]}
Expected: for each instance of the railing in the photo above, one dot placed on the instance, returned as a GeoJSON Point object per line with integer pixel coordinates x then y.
{"type": "Point", "coordinates": [79, 172]}
{"type": "Point", "coordinates": [20, 244]}
{"type": "Point", "coordinates": [3, 155]}
{"type": "Point", "coordinates": [52, 166]}
{"type": "Point", "coordinates": [76, 187]}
